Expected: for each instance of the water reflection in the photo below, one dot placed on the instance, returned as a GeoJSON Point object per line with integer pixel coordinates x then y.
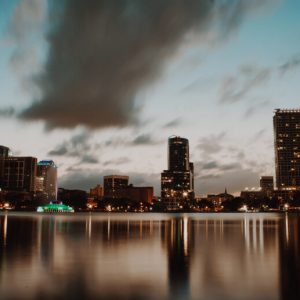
{"type": "Point", "coordinates": [178, 258]}
{"type": "Point", "coordinates": [290, 257]}
{"type": "Point", "coordinates": [150, 256]}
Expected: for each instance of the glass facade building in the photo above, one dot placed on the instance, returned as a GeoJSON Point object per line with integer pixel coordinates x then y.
{"type": "Point", "coordinates": [178, 154]}
{"type": "Point", "coordinates": [177, 183]}
{"type": "Point", "coordinates": [46, 181]}
{"type": "Point", "coordinates": [18, 173]}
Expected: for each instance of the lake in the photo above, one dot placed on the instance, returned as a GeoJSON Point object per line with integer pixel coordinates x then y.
{"type": "Point", "coordinates": [150, 256]}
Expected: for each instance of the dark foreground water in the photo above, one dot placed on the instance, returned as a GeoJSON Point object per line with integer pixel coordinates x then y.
{"type": "Point", "coordinates": [150, 256]}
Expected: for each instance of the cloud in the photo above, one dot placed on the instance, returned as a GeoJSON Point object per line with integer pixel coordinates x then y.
{"type": "Point", "coordinates": [214, 167]}
{"type": "Point", "coordinates": [257, 107]}
{"type": "Point", "coordinates": [117, 161]}
{"type": "Point", "coordinates": [211, 144]}
{"type": "Point", "coordinates": [89, 159]}
{"type": "Point", "coordinates": [208, 165]}
{"type": "Point", "coordinates": [230, 166]}
{"type": "Point", "coordinates": [143, 139]}
{"type": "Point", "coordinates": [103, 52]}
{"type": "Point", "coordinates": [236, 88]}
{"type": "Point", "coordinates": [257, 136]}
{"type": "Point", "coordinates": [77, 146]}
{"type": "Point", "coordinates": [219, 164]}
{"type": "Point", "coordinates": [60, 150]}
{"type": "Point", "coordinates": [290, 64]}
{"type": "Point", "coordinates": [174, 123]}
{"type": "Point", "coordinates": [234, 180]}
{"type": "Point", "coordinates": [26, 17]}
{"type": "Point", "coordinates": [25, 32]}
{"type": "Point", "coordinates": [79, 179]}
{"type": "Point", "coordinates": [213, 176]}
{"type": "Point", "coordinates": [7, 112]}
{"type": "Point", "coordinates": [139, 140]}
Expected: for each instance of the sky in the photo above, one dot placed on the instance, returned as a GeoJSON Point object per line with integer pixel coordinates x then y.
{"type": "Point", "coordinates": [99, 86]}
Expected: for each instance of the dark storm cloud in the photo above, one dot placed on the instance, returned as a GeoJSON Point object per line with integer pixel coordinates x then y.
{"type": "Point", "coordinates": [236, 88]}
{"type": "Point", "coordinates": [101, 52]}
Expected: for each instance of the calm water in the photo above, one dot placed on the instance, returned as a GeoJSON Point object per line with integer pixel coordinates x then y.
{"type": "Point", "coordinates": [150, 256]}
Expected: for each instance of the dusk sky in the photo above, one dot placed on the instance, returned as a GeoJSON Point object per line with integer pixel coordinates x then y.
{"type": "Point", "coordinates": [99, 86]}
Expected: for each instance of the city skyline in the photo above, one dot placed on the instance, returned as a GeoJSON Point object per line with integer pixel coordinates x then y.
{"type": "Point", "coordinates": [217, 87]}
{"type": "Point", "coordinates": [177, 182]}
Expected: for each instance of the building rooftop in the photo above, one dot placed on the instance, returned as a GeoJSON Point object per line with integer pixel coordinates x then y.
{"type": "Point", "coordinates": [287, 110]}
{"type": "Point", "coordinates": [46, 163]}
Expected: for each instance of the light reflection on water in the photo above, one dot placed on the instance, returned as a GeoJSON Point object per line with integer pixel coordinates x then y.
{"type": "Point", "coordinates": [150, 256]}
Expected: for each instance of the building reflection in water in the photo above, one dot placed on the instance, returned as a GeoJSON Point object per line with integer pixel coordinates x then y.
{"type": "Point", "coordinates": [150, 256]}
{"type": "Point", "coordinates": [178, 258]}
{"type": "Point", "coordinates": [290, 257]}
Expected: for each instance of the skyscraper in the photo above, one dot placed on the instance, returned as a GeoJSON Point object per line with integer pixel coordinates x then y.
{"type": "Point", "coordinates": [4, 151]}
{"type": "Point", "coordinates": [287, 149]}
{"type": "Point", "coordinates": [177, 184]}
{"type": "Point", "coordinates": [46, 180]}
{"type": "Point", "coordinates": [18, 173]}
{"type": "Point", "coordinates": [267, 185]}
{"type": "Point", "coordinates": [113, 184]}
{"type": "Point", "coordinates": [178, 155]}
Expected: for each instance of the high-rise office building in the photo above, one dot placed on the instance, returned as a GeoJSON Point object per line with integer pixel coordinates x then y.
{"type": "Point", "coordinates": [178, 154]}
{"type": "Point", "coordinates": [113, 184]}
{"type": "Point", "coordinates": [287, 149]}
{"type": "Point", "coordinates": [177, 183]}
{"type": "Point", "coordinates": [192, 175]}
{"type": "Point", "coordinates": [46, 180]}
{"type": "Point", "coordinates": [96, 192]}
{"type": "Point", "coordinates": [4, 151]}
{"type": "Point", "coordinates": [18, 173]}
{"type": "Point", "coordinates": [267, 185]}
{"type": "Point", "coordinates": [39, 184]}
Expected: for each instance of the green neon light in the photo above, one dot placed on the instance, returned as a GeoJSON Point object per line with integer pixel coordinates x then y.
{"type": "Point", "coordinates": [53, 207]}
